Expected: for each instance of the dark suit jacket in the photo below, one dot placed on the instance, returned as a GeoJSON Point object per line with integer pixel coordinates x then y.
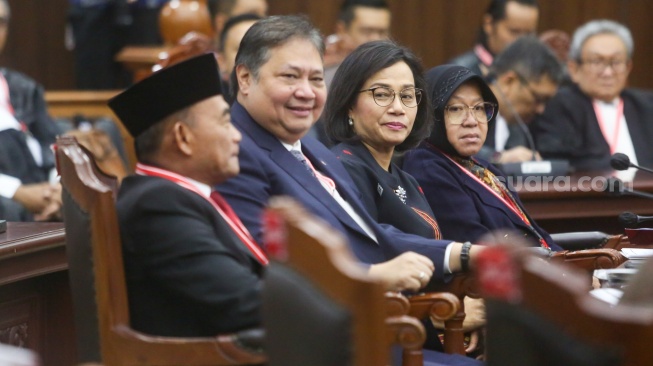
{"type": "Point", "coordinates": [267, 169]}
{"type": "Point", "coordinates": [26, 97]}
{"type": "Point", "coordinates": [568, 129]}
{"type": "Point", "coordinates": [187, 273]}
{"type": "Point", "coordinates": [465, 210]}
{"type": "Point", "coordinates": [378, 186]}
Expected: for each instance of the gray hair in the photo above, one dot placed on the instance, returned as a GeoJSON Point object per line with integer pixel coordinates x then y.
{"type": "Point", "coordinates": [595, 27]}
{"type": "Point", "coordinates": [269, 33]}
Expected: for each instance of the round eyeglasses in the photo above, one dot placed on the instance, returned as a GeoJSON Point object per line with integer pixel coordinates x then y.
{"type": "Point", "coordinates": [383, 96]}
{"type": "Point", "coordinates": [482, 112]}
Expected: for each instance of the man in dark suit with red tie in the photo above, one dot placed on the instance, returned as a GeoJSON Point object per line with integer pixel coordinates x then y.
{"type": "Point", "coordinates": [192, 269]}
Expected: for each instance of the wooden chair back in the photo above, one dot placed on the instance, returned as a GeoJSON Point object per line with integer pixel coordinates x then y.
{"type": "Point", "coordinates": [320, 307]}
{"type": "Point", "coordinates": [98, 279]}
{"type": "Point", "coordinates": [541, 313]}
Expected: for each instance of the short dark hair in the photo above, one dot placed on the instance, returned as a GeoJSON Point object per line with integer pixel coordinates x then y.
{"type": "Point", "coordinates": [148, 143]}
{"type": "Point", "coordinates": [355, 70]}
{"type": "Point", "coordinates": [497, 11]}
{"type": "Point", "coordinates": [232, 22]}
{"type": "Point", "coordinates": [348, 9]}
{"type": "Point", "coordinates": [530, 58]}
{"type": "Point", "coordinates": [269, 33]}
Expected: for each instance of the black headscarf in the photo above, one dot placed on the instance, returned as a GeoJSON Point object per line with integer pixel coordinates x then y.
{"type": "Point", "coordinates": [442, 82]}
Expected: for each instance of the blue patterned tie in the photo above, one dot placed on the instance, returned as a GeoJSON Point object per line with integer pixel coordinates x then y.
{"type": "Point", "coordinates": [302, 159]}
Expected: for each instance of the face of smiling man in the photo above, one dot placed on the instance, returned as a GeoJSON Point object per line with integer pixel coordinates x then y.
{"type": "Point", "coordinates": [289, 93]}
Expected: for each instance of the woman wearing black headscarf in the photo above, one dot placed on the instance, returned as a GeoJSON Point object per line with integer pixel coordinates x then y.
{"type": "Point", "coordinates": [469, 196]}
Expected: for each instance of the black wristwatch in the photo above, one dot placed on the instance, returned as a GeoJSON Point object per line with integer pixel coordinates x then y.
{"type": "Point", "coordinates": [464, 256]}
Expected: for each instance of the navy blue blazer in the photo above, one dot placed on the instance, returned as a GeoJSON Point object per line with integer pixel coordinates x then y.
{"type": "Point", "coordinates": [268, 169]}
{"type": "Point", "coordinates": [465, 210]}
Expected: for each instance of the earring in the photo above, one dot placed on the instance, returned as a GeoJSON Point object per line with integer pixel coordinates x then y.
{"type": "Point", "coordinates": [351, 121]}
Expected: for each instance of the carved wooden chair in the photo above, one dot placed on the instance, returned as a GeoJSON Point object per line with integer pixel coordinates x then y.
{"type": "Point", "coordinates": [541, 313]}
{"type": "Point", "coordinates": [321, 307]}
{"type": "Point", "coordinates": [98, 281]}
{"type": "Point", "coordinates": [464, 284]}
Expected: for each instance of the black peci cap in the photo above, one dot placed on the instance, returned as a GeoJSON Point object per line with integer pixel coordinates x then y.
{"type": "Point", "coordinates": [167, 91]}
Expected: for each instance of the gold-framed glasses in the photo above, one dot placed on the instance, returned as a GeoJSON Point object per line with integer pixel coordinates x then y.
{"type": "Point", "coordinates": [384, 96]}
{"type": "Point", "coordinates": [482, 112]}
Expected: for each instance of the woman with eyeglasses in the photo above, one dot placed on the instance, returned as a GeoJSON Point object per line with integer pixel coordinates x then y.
{"type": "Point", "coordinates": [376, 107]}
{"type": "Point", "coordinates": [469, 196]}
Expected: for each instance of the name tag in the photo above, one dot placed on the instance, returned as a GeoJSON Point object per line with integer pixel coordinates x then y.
{"type": "Point", "coordinates": [536, 167]}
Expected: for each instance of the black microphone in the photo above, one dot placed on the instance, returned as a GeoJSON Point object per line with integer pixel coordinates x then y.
{"type": "Point", "coordinates": [615, 187]}
{"type": "Point", "coordinates": [621, 161]}
{"type": "Point", "coordinates": [631, 220]}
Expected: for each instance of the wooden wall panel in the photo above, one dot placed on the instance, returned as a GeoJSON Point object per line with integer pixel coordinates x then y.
{"type": "Point", "coordinates": [437, 30]}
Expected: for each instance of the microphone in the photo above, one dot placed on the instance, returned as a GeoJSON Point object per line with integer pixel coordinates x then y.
{"type": "Point", "coordinates": [631, 221]}
{"type": "Point", "coordinates": [615, 187]}
{"type": "Point", "coordinates": [621, 161]}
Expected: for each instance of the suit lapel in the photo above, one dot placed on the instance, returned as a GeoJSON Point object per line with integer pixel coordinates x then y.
{"type": "Point", "coordinates": [297, 172]}
{"type": "Point", "coordinates": [490, 199]}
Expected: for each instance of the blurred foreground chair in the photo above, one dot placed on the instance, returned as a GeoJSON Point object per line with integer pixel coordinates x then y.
{"type": "Point", "coordinates": [98, 281]}
{"type": "Point", "coordinates": [320, 307]}
{"type": "Point", "coordinates": [541, 313]}
{"type": "Point", "coordinates": [464, 284]}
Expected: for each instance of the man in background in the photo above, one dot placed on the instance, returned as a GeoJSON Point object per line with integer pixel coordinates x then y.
{"type": "Point", "coordinates": [524, 77]}
{"type": "Point", "coordinates": [223, 10]}
{"type": "Point", "coordinates": [100, 29]}
{"type": "Point", "coordinates": [232, 33]}
{"type": "Point", "coordinates": [359, 21]}
{"type": "Point", "coordinates": [28, 186]}
{"type": "Point", "coordinates": [598, 116]}
{"type": "Point", "coordinates": [503, 22]}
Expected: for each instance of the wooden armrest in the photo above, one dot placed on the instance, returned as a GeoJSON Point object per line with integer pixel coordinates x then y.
{"type": "Point", "coordinates": [590, 259]}
{"type": "Point", "coordinates": [397, 304]}
{"type": "Point", "coordinates": [440, 306]}
{"type": "Point", "coordinates": [409, 333]}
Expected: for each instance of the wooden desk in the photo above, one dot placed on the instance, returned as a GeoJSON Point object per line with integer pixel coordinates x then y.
{"type": "Point", "coordinates": [35, 302]}
{"type": "Point", "coordinates": [580, 207]}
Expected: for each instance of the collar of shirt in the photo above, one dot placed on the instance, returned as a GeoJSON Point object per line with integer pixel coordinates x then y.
{"type": "Point", "coordinates": [205, 189]}
{"type": "Point", "coordinates": [296, 146]}
{"type": "Point", "coordinates": [8, 121]}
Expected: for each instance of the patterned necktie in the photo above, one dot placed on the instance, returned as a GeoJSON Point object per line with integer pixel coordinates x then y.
{"type": "Point", "coordinates": [302, 159]}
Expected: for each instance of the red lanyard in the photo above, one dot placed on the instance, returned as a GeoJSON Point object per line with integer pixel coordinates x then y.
{"type": "Point", "coordinates": [509, 203]}
{"type": "Point", "coordinates": [216, 200]}
{"type": "Point", "coordinates": [484, 55]}
{"type": "Point", "coordinates": [612, 140]}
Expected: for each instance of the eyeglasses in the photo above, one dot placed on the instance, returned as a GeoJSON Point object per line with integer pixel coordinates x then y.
{"type": "Point", "coordinates": [598, 65]}
{"type": "Point", "coordinates": [482, 112]}
{"type": "Point", "coordinates": [538, 99]}
{"type": "Point", "coordinates": [383, 97]}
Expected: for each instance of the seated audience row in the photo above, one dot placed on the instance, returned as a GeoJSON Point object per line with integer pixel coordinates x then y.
{"type": "Point", "coordinates": [279, 97]}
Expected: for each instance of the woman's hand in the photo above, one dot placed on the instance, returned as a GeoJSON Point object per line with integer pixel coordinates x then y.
{"type": "Point", "coordinates": [408, 271]}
